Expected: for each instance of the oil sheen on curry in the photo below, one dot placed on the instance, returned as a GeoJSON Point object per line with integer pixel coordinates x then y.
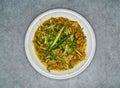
{"type": "Point", "coordinates": [60, 44]}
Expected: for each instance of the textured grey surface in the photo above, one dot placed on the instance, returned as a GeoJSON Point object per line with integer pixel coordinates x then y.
{"type": "Point", "coordinates": [16, 71]}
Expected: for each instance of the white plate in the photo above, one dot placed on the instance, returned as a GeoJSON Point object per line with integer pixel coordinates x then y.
{"type": "Point", "coordinates": [91, 43]}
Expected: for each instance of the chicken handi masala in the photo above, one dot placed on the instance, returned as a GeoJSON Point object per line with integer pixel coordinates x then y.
{"type": "Point", "coordinates": [60, 44]}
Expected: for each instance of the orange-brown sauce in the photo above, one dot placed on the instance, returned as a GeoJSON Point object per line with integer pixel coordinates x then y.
{"type": "Point", "coordinates": [68, 54]}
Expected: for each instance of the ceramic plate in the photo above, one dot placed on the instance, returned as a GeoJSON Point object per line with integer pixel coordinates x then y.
{"type": "Point", "coordinates": [90, 50]}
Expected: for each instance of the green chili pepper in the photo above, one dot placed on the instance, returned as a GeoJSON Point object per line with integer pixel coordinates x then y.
{"type": "Point", "coordinates": [57, 37]}
{"type": "Point", "coordinates": [60, 42]}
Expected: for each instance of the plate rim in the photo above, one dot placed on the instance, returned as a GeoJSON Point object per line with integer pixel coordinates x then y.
{"type": "Point", "coordinates": [87, 63]}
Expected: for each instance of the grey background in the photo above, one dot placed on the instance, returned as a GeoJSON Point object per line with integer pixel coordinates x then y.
{"type": "Point", "coordinates": [17, 72]}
